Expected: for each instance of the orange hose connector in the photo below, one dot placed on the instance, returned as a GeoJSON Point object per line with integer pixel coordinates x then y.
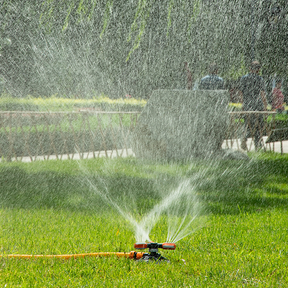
{"type": "Point", "coordinates": [131, 255]}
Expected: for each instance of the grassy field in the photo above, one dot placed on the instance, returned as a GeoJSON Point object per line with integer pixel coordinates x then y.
{"type": "Point", "coordinates": [49, 208]}
{"type": "Point", "coordinates": [56, 103]}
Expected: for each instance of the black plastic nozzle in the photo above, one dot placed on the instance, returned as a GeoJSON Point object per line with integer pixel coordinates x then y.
{"type": "Point", "coordinates": [153, 250]}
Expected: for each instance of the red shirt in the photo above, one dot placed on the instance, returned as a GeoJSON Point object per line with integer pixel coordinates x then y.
{"type": "Point", "coordinates": [277, 99]}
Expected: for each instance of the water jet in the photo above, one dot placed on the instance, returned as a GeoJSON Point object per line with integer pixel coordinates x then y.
{"type": "Point", "coordinates": [181, 125]}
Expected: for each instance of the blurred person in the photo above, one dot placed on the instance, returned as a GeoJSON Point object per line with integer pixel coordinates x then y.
{"type": "Point", "coordinates": [278, 97]}
{"type": "Point", "coordinates": [189, 76]}
{"type": "Point", "coordinates": [253, 98]}
{"type": "Point", "coordinates": [233, 88]}
{"type": "Point", "coordinates": [212, 81]}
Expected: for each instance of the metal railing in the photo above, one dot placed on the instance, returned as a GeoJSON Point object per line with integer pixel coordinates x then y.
{"type": "Point", "coordinates": [245, 125]}
{"type": "Point", "coordinates": [29, 136]}
{"type": "Point", "coordinates": [65, 135]}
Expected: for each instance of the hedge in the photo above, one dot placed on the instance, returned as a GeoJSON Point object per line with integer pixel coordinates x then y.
{"type": "Point", "coordinates": [59, 142]}
{"type": "Point", "coordinates": [54, 103]}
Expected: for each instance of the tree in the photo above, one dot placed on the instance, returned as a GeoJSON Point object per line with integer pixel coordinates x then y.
{"type": "Point", "coordinates": [132, 47]}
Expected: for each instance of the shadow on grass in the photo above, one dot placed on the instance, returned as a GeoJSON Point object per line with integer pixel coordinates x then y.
{"type": "Point", "coordinates": [229, 187]}
{"type": "Point", "coordinates": [236, 187]}
{"type": "Point", "coordinates": [49, 189]}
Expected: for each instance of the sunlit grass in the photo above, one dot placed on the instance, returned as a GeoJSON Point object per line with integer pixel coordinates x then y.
{"type": "Point", "coordinates": [58, 103]}
{"type": "Point", "coordinates": [46, 208]}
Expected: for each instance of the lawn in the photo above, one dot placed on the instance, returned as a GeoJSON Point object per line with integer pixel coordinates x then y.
{"type": "Point", "coordinates": [59, 207]}
{"type": "Point", "coordinates": [57, 103]}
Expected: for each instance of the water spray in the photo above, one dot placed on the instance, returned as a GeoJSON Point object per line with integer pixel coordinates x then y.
{"type": "Point", "coordinates": [153, 254]}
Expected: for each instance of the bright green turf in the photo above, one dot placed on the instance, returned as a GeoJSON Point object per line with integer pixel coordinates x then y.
{"type": "Point", "coordinates": [47, 208]}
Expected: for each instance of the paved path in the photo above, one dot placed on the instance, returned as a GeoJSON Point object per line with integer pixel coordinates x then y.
{"type": "Point", "coordinates": [79, 156]}
{"type": "Point", "coordinates": [275, 146]}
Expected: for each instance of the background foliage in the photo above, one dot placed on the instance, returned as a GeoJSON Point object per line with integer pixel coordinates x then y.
{"type": "Point", "coordinates": [78, 47]}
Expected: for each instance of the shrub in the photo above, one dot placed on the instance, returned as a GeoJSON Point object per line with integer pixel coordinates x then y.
{"type": "Point", "coordinates": [55, 103]}
{"type": "Point", "coordinates": [14, 104]}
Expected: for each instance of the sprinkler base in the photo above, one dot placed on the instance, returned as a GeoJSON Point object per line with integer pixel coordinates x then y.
{"type": "Point", "coordinates": [153, 257]}
{"type": "Point", "coordinates": [153, 254]}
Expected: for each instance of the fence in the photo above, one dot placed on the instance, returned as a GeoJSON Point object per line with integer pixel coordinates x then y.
{"type": "Point", "coordinates": [65, 135]}
{"type": "Point", "coordinates": [83, 134]}
{"type": "Point", "coordinates": [246, 124]}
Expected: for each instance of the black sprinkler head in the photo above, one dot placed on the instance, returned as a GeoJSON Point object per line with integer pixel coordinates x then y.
{"type": "Point", "coordinates": [153, 254]}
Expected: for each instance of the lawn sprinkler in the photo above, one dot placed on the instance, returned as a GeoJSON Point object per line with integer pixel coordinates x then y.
{"type": "Point", "coordinates": [139, 256]}
{"type": "Point", "coordinates": [153, 254]}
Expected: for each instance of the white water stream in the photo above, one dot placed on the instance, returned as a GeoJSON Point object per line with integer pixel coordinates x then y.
{"type": "Point", "coordinates": [180, 205]}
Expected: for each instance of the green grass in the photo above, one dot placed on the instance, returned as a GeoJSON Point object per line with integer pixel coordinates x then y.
{"type": "Point", "coordinates": [58, 103]}
{"type": "Point", "coordinates": [48, 208]}
{"type": "Point", "coordinates": [61, 123]}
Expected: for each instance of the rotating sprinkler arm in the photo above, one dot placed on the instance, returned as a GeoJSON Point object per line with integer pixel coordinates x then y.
{"type": "Point", "coordinates": [153, 250]}
{"type": "Point", "coordinates": [153, 245]}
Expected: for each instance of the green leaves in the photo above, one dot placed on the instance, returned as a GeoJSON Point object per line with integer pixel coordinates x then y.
{"type": "Point", "coordinates": [108, 11]}
{"type": "Point", "coordinates": [141, 15]}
